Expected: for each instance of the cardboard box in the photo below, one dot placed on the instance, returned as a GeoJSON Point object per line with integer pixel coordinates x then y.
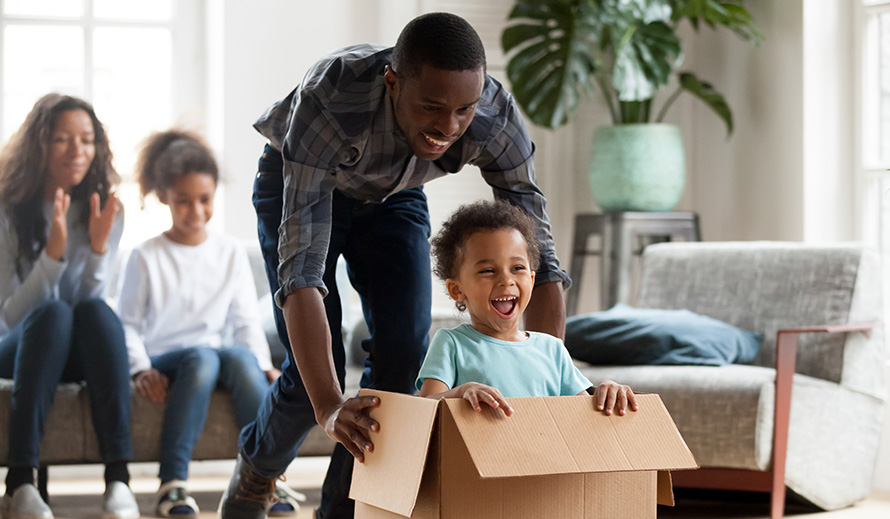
{"type": "Point", "coordinates": [554, 458]}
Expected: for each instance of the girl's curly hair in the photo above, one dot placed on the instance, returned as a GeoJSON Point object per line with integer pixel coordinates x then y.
{"type": "Point", "coordinates": [169, 155]}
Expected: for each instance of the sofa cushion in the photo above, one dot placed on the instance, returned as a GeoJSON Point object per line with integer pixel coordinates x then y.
{"type": "Point", "coordinates": [624, 335]}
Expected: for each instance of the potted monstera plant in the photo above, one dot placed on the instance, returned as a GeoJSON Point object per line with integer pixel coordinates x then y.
{"type": "Point", "coordinates": [560, 51]}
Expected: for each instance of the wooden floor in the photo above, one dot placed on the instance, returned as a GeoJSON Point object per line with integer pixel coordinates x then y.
{"type": "Point", "coordinates": [75, 493]}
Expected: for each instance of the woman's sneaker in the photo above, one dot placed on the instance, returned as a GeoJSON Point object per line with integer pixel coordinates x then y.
{"type": "Point", "coordinates": [174, 501]}
{"type": "Point", "coordinates": [287, 501]}
{"type": "Point", "coordinates": [118, 502]}
{"type": "Point", "coordinates": [25, 503]}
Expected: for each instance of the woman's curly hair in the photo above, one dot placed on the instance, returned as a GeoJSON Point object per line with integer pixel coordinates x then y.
{"type": "Point", "coordinates": [24, 170]}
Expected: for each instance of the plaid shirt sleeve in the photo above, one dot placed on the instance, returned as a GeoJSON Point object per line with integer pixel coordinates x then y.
{"type": "Point", "coordinates": [312, 147]}
{"type": "Point", "coordinates": [508, 167]}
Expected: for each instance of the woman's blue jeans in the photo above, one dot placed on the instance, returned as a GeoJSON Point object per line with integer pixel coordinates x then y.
{"type": "Point", "coordinates": [60, 343]}
{"type": "Point", "coordinates": [386, 249]}
{"type": "Point", "coordinates": [194, 373]}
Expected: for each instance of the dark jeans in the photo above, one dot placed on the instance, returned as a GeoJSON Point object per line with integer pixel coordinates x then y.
{"type": "Point", "coordinates": [60, 343]}
{"type": "Point", "coordinates": [386, 249]}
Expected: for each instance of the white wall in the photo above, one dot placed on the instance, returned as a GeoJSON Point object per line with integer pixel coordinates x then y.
{"type": "Point", "coordinates": [262, 51]}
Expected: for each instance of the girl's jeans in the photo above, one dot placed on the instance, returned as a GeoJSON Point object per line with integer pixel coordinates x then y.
{"type": "Point", "coordinates": [58, 342]}
{"type": "Point", "coordinates": [386, 249]}
{"type": "Point", "coordinates": [194, 373]}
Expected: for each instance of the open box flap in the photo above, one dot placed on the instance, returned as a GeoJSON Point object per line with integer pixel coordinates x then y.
{"type": "Point", "coordinates": [391, 474]}
{"type": "Point", "coordinates": [561, 435]}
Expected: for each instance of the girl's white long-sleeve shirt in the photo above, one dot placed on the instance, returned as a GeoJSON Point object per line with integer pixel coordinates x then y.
{"type": "Point", "coordinates": [177, 296]}
{"type": "Point", "coordinates": [81, 274]}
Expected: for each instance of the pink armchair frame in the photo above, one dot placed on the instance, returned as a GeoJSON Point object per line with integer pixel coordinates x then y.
{"type": "Point", "coordinates": [772, 481]}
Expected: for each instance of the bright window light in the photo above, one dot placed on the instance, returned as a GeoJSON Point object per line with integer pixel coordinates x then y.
{"type": "Point", "coordinates": [54, 62]}
{"type": "Point", "coordinates": [142, 10]}
{"type": "Point", "coordinates": [54, 8]}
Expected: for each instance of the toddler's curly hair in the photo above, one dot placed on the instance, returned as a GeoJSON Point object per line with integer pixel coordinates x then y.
{"type": "Point", "coordinates": [448, 244]}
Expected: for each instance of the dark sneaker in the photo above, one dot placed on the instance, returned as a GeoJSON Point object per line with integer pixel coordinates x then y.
{"type": "Point", "coordinates": [247, 495]}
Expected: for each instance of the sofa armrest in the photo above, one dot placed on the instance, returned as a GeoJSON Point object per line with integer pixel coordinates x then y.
{"type": "Point", "coordinates": [786, 357]}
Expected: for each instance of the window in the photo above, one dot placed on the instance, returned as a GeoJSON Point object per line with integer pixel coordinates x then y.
{"type": "Point", "coordinates": [124, 56]}
{"type": "Point", "coordinates": [874, 149]}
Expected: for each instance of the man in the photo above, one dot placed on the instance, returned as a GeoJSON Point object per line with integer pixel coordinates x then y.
{"type": "Point", "coordinates": [348, 152]}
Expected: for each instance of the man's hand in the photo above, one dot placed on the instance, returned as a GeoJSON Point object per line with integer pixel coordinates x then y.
{"type": "Point", "coordinates": [612, 395]}
{"type": "Point", "coordinates": [152, 384]}
{"type": "Point", "coordinates": [350, 424]}
{"type": "Point", "coordinates": [307, 328]}
{"type": "Point", "coordinates": [546, 311]}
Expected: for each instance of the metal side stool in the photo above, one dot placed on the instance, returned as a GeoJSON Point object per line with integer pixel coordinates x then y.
{"type": "Point", "coordinates": [623, 235]}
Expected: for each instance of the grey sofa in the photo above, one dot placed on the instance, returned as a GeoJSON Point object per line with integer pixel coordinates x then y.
{"type": "Point", "coordinates": [730, 416]}
{"type": "Point", "coordinates": [70, 439]}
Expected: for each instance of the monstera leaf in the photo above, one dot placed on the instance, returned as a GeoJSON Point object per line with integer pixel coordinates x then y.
{"type": "Point", "coordinates": [554, 63]}
{"type": "Point", "coordinates": [563, 50]}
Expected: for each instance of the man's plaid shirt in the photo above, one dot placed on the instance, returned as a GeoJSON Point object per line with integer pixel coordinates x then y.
{"type": "Point", "coordinates": [337, 130]}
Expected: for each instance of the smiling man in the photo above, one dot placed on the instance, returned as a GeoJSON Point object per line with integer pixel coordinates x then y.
{"type": "Point", "coordinates": [349, 150]}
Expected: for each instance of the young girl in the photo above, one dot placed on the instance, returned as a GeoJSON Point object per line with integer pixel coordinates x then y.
{"type": "Point", "coordinates": [487, 254]}
{"type": "Point", "coordinates": [181, 292]}
{"type": "Point", "coordinates": [59, 230]}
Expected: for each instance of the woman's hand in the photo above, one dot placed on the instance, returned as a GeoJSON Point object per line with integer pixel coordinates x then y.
{"type": "Point", "coordinates": [58, 228]}
{"type": "Point", "coordinates": [152, 384]}
{"type": "Point", "coordinates": [101, 221]}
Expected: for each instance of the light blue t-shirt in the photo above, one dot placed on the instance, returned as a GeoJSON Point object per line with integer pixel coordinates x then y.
{"type": "Point", "coordinates": [537, 366]}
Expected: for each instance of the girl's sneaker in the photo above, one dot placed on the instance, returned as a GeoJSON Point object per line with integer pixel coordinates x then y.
{"type": "Point", "coordinates": [174, 501]}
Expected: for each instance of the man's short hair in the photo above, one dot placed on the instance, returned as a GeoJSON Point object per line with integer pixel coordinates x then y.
{"type": "Point", "coordinates": [441, 40]}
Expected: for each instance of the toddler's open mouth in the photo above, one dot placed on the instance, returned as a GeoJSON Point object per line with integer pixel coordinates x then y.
{"type": "Point", "coordinates": [505, 306]}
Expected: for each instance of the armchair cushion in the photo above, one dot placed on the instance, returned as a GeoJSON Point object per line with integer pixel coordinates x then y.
{"type": "Point", "coordinates": [624, 335]}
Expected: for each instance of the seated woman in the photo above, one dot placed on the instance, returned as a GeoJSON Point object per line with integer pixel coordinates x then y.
{"type": "Point", "coordinates": [60, 225]}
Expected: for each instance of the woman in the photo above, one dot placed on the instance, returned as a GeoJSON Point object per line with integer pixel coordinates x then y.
{"type": "Point", "coordinates": [59, 230]}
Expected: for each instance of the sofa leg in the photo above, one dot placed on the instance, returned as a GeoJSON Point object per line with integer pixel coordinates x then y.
{"type": "Point", "coordinates": [777, 500]}
{"type": "Point", "coordinates": [42, 477]}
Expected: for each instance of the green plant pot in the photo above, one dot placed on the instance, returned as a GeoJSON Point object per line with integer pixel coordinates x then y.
{"type": "Point", "coordinates": [637, 167]}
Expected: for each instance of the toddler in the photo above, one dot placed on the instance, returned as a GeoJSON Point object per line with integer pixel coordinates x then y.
{"type": "Point", "coordinates": [487, 254]}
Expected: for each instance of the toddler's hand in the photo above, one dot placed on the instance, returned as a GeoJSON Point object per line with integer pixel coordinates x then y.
{"type": "Point", "coordinates": [612, 395]}
{"type": "Point", "coordinates": [476, 393]}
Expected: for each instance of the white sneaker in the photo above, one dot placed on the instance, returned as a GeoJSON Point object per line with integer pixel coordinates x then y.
{"type": "Point", "coordinates": [25, 503]}
{"type": "Point", "coordinates": [287, 501]}
{"type": "Point", "coordinates": [119, 502]}
{"type": "Point", "coordinates": [174, 501]}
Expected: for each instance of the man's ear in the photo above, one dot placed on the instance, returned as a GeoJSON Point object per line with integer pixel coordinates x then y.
{"type": "Point", "coordinates": [454, 291]}
{"type": "Point", "coordinates": [162, 196]}
{"type": "Point", "coordinates": [391, 81]}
